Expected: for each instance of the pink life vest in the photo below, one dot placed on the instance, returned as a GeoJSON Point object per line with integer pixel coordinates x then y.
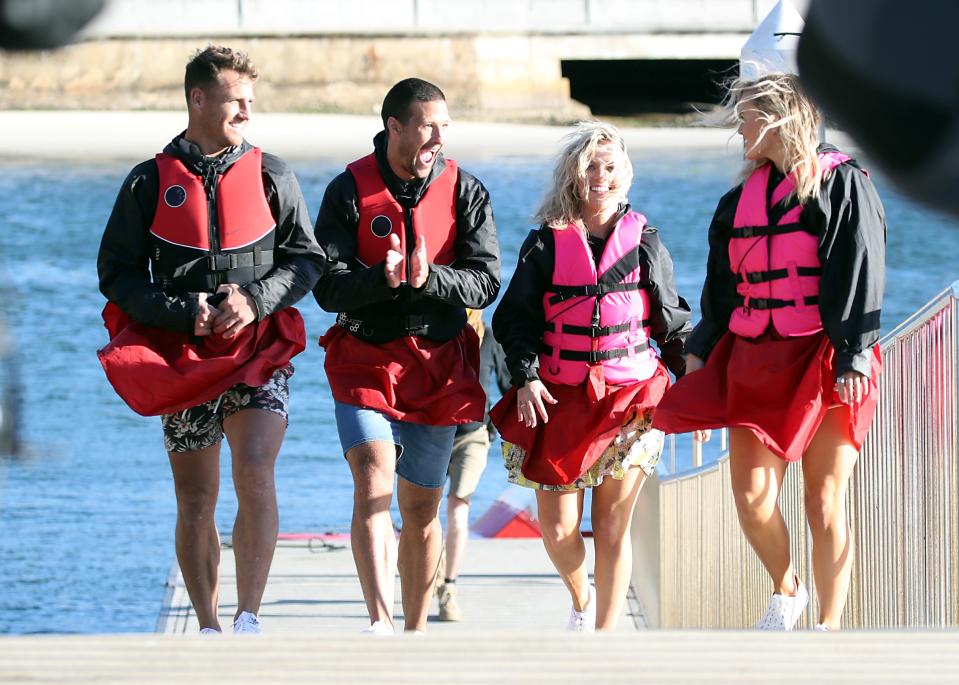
{"type": "Point", "coordinates": [597, 319]}
{"type": "Point", "coordinates": [777, 266]}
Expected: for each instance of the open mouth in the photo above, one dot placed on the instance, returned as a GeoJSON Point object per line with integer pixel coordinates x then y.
{"type": "Point", "coordinates": [426, 157]}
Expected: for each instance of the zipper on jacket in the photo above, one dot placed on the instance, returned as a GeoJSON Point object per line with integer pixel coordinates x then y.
{"type": "Point", "coordinates": [210, 178]}
{"type": "Point", "coordinates": [410, 242]}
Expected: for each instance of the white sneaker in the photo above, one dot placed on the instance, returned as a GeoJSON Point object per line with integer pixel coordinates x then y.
{"type": "Point", "coordinates": [584, 621]}
{"type": "Point", "coordinates": [209, 631]}
{"type": "Point", "coordinates": [822, 628]}
{"type": "Point", "coordinates": [381, 628]}
{"type": "Point", "coordinates": [783, 611]}
{"type": "Point", "coordinates": [246, 624]}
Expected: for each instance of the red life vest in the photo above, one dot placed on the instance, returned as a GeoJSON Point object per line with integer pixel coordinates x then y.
{"type": "Point", "coordinates": [243, 215]}
{"type": "Point", "coordinates": [777, 266]}
{"type": "Point", "coordinates": [434, 217]}
{"type": "Point", "coordinates": [604, 332]}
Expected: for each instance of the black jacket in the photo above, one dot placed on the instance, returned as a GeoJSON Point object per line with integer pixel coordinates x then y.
{"type": "Point", "coordinates": [850, 221]}
{"type": "Point", "coordinates": [519, 319]}
{"type": "Point", "coordinates": [492, 366]}
{"type": "Point", "coordinates": [362, 293]}
{"type": "Point", "coordinates": [127, 249]}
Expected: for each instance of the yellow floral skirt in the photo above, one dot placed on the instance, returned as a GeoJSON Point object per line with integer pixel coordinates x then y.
{"type": "Point", "coordinates": [636, 444]}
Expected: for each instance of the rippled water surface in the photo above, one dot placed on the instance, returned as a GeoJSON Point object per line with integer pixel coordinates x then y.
{"type": "Point", "coordinates": [86, 521]}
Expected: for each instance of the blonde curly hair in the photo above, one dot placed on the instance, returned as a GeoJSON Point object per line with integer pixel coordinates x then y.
{"type": "Point", "coordinates": [563, 202]}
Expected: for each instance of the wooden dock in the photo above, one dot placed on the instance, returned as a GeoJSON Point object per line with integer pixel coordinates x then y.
{"type": "Point", "coordinates": [515, 610]}
{"type": "Point", "coordinates": [505, 584]}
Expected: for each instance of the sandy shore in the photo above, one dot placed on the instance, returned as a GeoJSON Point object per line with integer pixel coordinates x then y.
{"type": "Point", "coordinates": [76, 135]}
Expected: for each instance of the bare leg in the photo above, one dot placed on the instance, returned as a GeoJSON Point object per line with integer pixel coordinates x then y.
{"type": "Point", "coordinates": [827, 466]}
{"type": "Point", "coordinates": [196, 479]}
{"type": "Point", "coordinates": [372, 537]}
{"type": "Point", "coordinates": [612, 513]}
{"type": "Point", "coordinates": [757, 477]}
{"type": "Point", "coordinates": [560, 514]}
{"type": "Point", "coordinates": [420, 545]}
{"type": "Point", "coordinates": [457, 531]}
{"type": "Point", "coordinates": [255, 436]}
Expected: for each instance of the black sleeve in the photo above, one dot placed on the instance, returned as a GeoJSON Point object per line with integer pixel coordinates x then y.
{"type": "Point", "coordinates": [519, 320]}
{"type": "Point", "coordinates": [123, 261]}
{"type": "Point", "coordinates": [670, 313]}
{"type": "Point", "coordinates": [719, 289]}
{"type": "Point", "coordinates": [473, 279]}
{"type": "Point", "coordinates": [347, 285]}
{"type": "Point", "coordinates": [852, 251]}
{"type": "Point", "coordinates": [492, 355]}
{"type": "Point", "coordinates": [298, 260]}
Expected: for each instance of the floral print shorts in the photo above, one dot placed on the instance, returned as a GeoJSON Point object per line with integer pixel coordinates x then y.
{"type": "Point", "coordinates": [202, 426]}
{"type": "Point", "coordinates": [636, 444]}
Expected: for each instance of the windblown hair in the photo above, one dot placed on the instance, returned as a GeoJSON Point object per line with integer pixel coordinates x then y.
{"type": "Point", "coordinates": [785, 108]}
{"type": "Point", "coordinates": [397, 102]}
{"type": "Point", "coordinates": [205, 65]}
{"type": "Point", "coordinates": [563, 203]}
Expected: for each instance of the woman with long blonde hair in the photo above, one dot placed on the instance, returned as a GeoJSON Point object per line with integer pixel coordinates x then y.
{"type": "Point", "coordinates": [592, 289]}
{"type": "Point", "coordinates": [786, 353]}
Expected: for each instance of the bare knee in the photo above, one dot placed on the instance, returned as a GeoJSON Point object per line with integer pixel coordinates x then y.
{"type": "Point", "coordinates": [419, 509]}
{"type": "Point", "coordinates": [610, 537]}
{"type": "Point", "coordinates": [457, 514]}
{"type": "Point", "coordinates": [196, 502]}
{"type": "Point", "coordinates": [254, 479]}
{"type": "Point", "coordinates": [752, 508]}
{"type": "Point", "coordinates": [825, 509]}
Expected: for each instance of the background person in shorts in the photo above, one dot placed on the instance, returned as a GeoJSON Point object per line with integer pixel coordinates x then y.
{"type": "Point", "coordinates": [412, 244]}
{"type": "Point", "coordinates": [213, 214]}
{"type": "Point", "coordinates": [470, 452]}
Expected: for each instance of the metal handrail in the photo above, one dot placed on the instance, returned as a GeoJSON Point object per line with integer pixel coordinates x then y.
{"type": "Point", "coordinates": [903, 492]}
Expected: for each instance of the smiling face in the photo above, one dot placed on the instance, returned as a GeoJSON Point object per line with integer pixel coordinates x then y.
{"type": "Point", "coordinates": [219, 113]}
{"type": "Point", "coordinates": [413, 146]}
{"type": "Point", "coordinates": [604, 173]}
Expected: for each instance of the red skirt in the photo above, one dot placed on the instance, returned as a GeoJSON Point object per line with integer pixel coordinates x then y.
{"type": "Point", "coordinates": [158, 371]}
{"type": "Point", "coordinates": [579, 429]}
{"type": "Point", "coordinates": [408, 379]}
{"type": "Point", "coordinates": [780, 389]}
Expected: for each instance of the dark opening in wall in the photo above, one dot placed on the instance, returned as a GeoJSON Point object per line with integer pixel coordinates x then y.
{"type": "Point", "coordinates": [638, 86]}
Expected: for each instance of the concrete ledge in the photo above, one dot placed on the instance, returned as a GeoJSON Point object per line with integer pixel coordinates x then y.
{"type": "Point", "coordinates": [134, 136]}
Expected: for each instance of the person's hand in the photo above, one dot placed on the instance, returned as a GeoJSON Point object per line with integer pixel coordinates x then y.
{"type": "Point", "coordinates": [394, 265]}
{"type": "Point", "coordinates": [694, 363]}
{"type": "Point", "coordinates": [203, 323]}
{"type": "Point", "coordinates": [419, 264]}
{"type": "Point", "coordinates": [703, 435]}
{"type": "Point", "coordinates": [236, 311]}
{"type": "Point", "coordinates": [529, 403]}
{"type": "Point", "coordinates": [852, 387]}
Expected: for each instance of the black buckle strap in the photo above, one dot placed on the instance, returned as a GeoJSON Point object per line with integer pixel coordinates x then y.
{"type": "Point", "coordinates": [566, 292]}
{"type": "Point", "coordinates": [773, 303]}
{"type": "Point", "coordinates": [413, 324]}
{"type": "Point", "coordinates": [757, 231]}
{"type": "Point", "coordinates": [239, 260]}
{"type": "Point", "coordinates": [775, 274]}
{"type": "Point", "coordinates": [594, 356]}
{"type": "Point", "coordinates": [600, 331]}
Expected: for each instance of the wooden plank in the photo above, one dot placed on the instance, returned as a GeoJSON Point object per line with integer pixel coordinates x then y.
{"type": "Point", "coordinates": [467, 658]}
{"type": "Point", "coordinates": [504, 585]}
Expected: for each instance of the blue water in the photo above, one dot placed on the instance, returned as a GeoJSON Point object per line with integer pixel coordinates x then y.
{"type": "Point", "coordinates": [86, 521]}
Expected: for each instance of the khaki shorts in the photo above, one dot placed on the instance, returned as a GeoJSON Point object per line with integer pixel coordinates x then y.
{"type": "Point", "coordinates": [470, 451]}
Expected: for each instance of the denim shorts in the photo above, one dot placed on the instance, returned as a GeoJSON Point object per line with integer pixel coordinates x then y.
{"type": "Point", "coordinates": [422, 452]}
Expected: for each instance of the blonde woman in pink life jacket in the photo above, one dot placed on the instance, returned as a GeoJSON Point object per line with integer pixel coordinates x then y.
{"type": "Point", "coordinates": [592, 291]}
{"type": "Point", "coordinates": [786, 353]}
